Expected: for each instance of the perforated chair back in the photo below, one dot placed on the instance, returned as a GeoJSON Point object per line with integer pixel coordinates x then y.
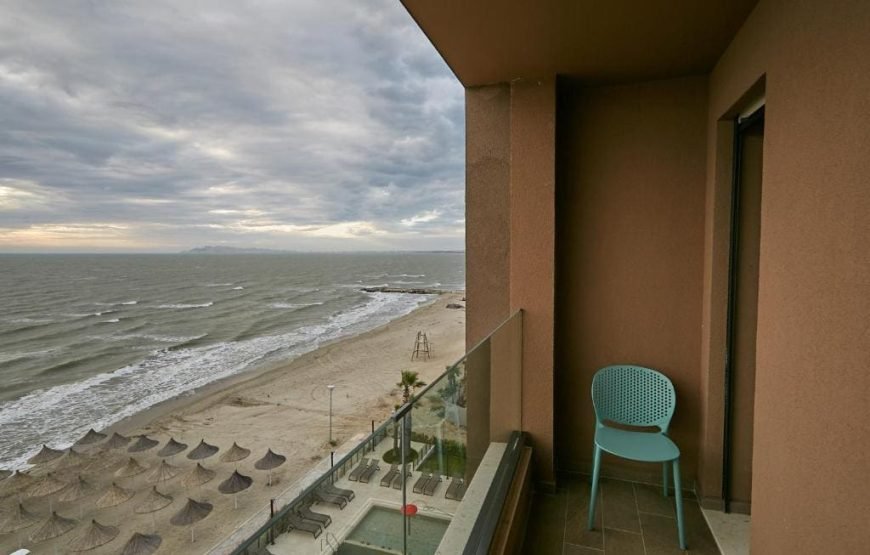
{"type": "Point", "coordinates": [633, 395]}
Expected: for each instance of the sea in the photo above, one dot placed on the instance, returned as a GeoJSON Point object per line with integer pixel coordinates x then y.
{"type": "Point", "coordinates": [87, 340]}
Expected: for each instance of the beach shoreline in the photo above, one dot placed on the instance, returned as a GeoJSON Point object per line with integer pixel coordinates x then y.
{"type": "Point", "coordinates": [281, 406]}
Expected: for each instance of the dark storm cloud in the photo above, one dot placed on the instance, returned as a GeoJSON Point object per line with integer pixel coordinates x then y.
{"type": "Point", "coordinates": [161, 125]}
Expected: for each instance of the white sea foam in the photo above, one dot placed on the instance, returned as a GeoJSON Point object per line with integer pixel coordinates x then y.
{"type": "Point", "coordinates": [183, 305]}
{"type": "Point", "coordinates": [112, 321]}
{"type": "Point", "coordinates": [217, 284]}
{"type": "Point", "coordinates": [129, 302]}
{"type": "Point", "coordinates": [60, 414]}
{"type": "Point", "coordinates": [238, 288]}
{"type": "Point", "coordinates": [295, 305]}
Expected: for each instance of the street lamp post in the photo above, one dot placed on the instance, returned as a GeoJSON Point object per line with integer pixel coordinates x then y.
{"type": "Point", "coordinates": [330, 388]}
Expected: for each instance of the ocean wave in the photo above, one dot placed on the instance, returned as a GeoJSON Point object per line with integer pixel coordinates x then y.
{"type": "Point", "coordinates": [238, 288]}
{"type": "Point", "coordinates": [129, 302]}
{"type": "Point", "coordinates": [183, 305]}
{"type": "Point", "coordinates": [111, 321]}
{"type": "Point", "coordinates": [295, 305]}
{"type": "Point", "coordinates": [58, 415]}
{"type": "Point", "coordinates": [217, 284]}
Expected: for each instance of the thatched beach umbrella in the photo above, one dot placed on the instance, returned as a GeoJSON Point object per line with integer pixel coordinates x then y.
{"type": "Point", "coordinates": [46, 485]}
{"type": "Point", "coordinates": [90, 438]}
{"type": "Point", "coordinates": [153, 503]}
{"type": "Point", "coordinates": [131, 468]}
{"type": "Point", "coordinates": [190, 514]}
{"type": "Point", "coordinates": [18, 481]}
{"type": "Point", "coordinates": [18, 519]}
{"type": "Point", "coordinates": [270, 461]}
{"type": "Point", "coordinates": [142, 544]}
{"type": "Point", "coordinates": [77, 490]}
{"type": "Point", "coordinates": [202, 451]}
{"type": "Point", "coordinates": [234, 484]}
{"type": "Point", "coordinates": [94, 536]}
{"type": "Point", "coordinates": [72, 458]}
{"type": "Point", "coordinates": [171, 448]}
{"type": "Point", "coordinates": [197, 476]}
{"type": "Point", "coordinates": [163, 472]}
{"type": "Point", "coordinates": [235, 453]}
{"type": "Point", "coordinates": [115, 495]}
{"type": "Point", "coordinates": [46, 454]}
{"type": "Point", "coordinates": [117, 441]}
{"type": "Point", "coordinates": [4, 474]}
{"type": "Point", "coordinates": [144, 443]}
{"type": "Point", "coordinates": [53, 527]}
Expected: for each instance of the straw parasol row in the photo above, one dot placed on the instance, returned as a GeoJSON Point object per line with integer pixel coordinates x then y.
{"type": "Point", "coordinates": [234, 484]}
{"type": "Point", "coordinates": [270, 461]}
{"type": "Point", "coordinates": [190, 514]}
{"type": "Point", "coordinates": [94, 536]}
{"type": "Point", "coordinates": [142, 544]}
{"type": "Point", "coordinates": [202, 451]}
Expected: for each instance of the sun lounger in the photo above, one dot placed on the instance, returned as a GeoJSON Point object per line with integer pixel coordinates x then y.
{"type": "Point", "coordinates": [456, 489]}
{"type": "Point", "coordinates": [327, 497]}
{"type": "Point", "coordinates": [387, 480]}
{"type": "Point", "coordinates": [297, 523]}
{"type": "Point", "coordinates": [420, 485]}
{"type": "Point", "coordinates": [430, 486]}
{"type": "Point", "coordinates": [397, 481]}
{"type": "Point", "coordinates": [355, 473]}
{"type": "Point", "coordinates": [369, 472]}
{"type": "Point", "coordinates": [346, 493]}
{"type": "Point", "coordinates": [318, 518]}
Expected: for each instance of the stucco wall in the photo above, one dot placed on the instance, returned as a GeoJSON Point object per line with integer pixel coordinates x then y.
{"type": "Point", "coordinates": [812, 411]}
{"type": "Point", "coordinates": [630, 213]}
{"type": "Point", "coordinates": [487, 210]}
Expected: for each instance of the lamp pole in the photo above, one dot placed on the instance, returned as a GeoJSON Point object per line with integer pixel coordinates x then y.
{"type": "Point", "coordinates": [330, 388]}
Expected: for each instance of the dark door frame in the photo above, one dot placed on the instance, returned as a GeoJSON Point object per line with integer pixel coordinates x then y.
{"type": "Point", "coordinates": [740, 127]}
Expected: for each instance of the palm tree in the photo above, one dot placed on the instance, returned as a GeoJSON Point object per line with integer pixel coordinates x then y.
{"type": "Point", "coordinates": [410, 381]}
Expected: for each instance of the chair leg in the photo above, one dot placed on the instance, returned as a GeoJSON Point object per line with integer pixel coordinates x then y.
{"type": "Point", "coordinates": [665, 478]}
{"type": "Point", "coordinates": [596, 469]}
{"type": "Point", "coordinates": [678, 495]}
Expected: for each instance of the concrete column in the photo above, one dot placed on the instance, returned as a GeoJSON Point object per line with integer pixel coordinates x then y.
{"type": "Point", "coordinates": [532, 255]}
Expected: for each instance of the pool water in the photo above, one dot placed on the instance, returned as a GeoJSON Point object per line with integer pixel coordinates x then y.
{"type": "Point", "coordinates": [380, 532]}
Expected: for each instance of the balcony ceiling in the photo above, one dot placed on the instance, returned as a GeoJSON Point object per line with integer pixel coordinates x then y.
{"type": "Point", "coordinates": [493, 41]}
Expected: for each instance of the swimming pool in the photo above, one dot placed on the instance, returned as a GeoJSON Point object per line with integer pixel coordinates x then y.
{"type": "Point", "coordinates": [380, 532]}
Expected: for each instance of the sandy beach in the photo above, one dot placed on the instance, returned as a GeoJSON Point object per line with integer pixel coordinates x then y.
{"type": "Point", "coordinates": [284, 408]}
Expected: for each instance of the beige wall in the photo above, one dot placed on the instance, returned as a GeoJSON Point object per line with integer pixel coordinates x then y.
{"type": "Point", "coordinates": [510, 218]}
{"type": "Point", "coordinates": [810, 490]}
{"type": "Point", "coordinates": [629, 252]}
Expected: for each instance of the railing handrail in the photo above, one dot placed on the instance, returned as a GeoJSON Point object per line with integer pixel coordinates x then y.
{"type": "Point", "coordinates": [403, 410]}
{"type": "Point", "coordinates": [309, 490]}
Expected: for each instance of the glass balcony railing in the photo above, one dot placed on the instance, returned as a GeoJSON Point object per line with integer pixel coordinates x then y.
{"type": "Point", "coordinates": [421, 479]}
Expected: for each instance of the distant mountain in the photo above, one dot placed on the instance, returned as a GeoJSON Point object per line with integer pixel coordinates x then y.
{"type": "Point", "coordinates": [231, 250]}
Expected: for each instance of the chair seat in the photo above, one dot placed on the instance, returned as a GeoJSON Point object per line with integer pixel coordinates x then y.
{"type": "Point", "coordinates": [637, 446]}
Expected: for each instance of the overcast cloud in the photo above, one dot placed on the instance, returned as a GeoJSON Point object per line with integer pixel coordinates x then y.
{"type": "Point", "coordinates": [162, 125]}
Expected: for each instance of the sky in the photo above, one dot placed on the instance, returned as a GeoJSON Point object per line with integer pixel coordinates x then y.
{"type": "Point", "coordinates": [163, 125]}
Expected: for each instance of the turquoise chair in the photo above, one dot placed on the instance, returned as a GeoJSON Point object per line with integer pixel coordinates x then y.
{"type": "Point", "coordinates": [635, 396]}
